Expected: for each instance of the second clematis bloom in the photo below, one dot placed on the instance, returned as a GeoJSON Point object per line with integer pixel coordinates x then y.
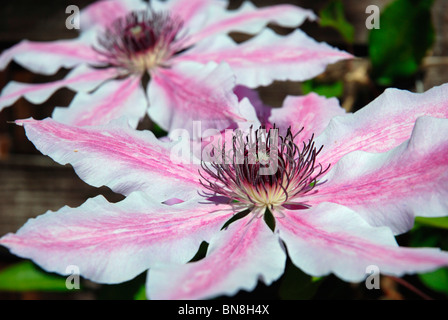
{"type": "Point", "coordinates": [184, 48]}
{"type": "Point", "coordinates": [343, 186]}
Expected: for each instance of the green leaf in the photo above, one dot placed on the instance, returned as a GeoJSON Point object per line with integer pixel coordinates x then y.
{"type": "Point", "coordinates": [158, 131]}
{"type": "Point", "coordinates": [297, 285]}
{"type": "Point", "coordinates": [332, 15]}
{"type": "Point", "coordinates": [329, 90]}
{"type": "Point", "coordinates": [236, 217]}
{"type": "Point", "coordinates": [25, 276]}
{"type": "Point", "coordinates": [437, 280]}
{"type": "Point", "coordinates": [129, 290]}
{"type": "Point", "coordinates": [406, 34]}
{"type": "Point", "coordinates": [201, 253]}
{"type": "Point", "coordinates": [427, 236]}
{"type": "Point", "coordinates": [441, 223]}
{"type": "Point", "coordinates": [269, 219]}
{"type": "Point", "coordinates": [432, 232]}
{"type": "Point", "coordinates": [141, 293]}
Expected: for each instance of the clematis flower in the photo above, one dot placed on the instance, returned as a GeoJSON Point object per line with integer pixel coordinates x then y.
{"type": "Point", "coordinates": [184, 48]}
{"type": "Point", "coordinates": [345, 185]}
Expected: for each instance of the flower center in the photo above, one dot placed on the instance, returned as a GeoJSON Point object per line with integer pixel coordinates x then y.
{"type": "Point", "coordinates": [263, 170]}
{"type": "Point", "coordinates": [140, 41]}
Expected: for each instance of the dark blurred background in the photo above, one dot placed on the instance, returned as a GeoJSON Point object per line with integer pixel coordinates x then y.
{"type": "Point", "coordinates": [31, 184]}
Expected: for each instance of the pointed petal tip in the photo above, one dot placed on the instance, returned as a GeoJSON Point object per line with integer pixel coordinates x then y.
{"type": "Point", "coordinates": [9, 239]}
{"type": "Point", "coordinates": [22, 122]}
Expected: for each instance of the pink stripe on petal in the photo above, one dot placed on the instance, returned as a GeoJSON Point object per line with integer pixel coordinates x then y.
{"type": "Point", "coordinates": [117, 156]}
{"type": "Point", "coordinates": [190, 92]}
{"type": "Point", "coordinates": [383, 124]}
{"type": "Point", "coordinates": [311, 112]}
{"type": "Point", "coordinates": [103, 13]}
{"type": "Point", "coordinates": [112, 243]}
{"type": "Point", "coordinates": [48, 57]}
{"type": "Point", "coordinates": [268, 57]}
{"type": "Point", "coordinates": [237, 258]}
{"type": "Point", "coordinates": [188, 10]}
{"type": "Point", "coordinates": [251, 19]}
{"type": "Point", "coordinates": [333, 239]}
{"type": "Point", "coordinates": [113, 100]}
{"type": "Point", "coordinates": [82, 78]}
{"type": "Point", "coordinates": [194, 13]}
{"type": "Point", "coordinates": [391, 188]}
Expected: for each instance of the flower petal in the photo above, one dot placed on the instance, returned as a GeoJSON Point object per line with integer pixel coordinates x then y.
{"type": "Point", "coordinates": [249, 19]}
{"type": "Point", "coordinates": [383, 124]}
{"type": "Point", "coordinates": [112, 243]}
{"type": "Point", "coordinates": [102, 13]}
{"type": "Point", "coordinates": [311, 112]}
{"type": "Point", "coordinates": [262, 111]}
{"type": "Point", "coordinates": [190, 92]}
{"type": "Point", "coordinates": [48, 57]}
{"type": "Point", "coordinates": [268, 57]}
{"type": "Point", "coordinates": [391, 188]}
{"type": "Point", "coordinates": [82, 79]}
{"type": "Point", "coordinates": [237, 258]}
{"type": "Point", "coordinates": [333, 239]}
{"type": "Point", "coordinates": [117, 156]}
{"type": "Point", "coordinates": [193, 13]}
{"type": "Point", "coordinates": [113, 100]}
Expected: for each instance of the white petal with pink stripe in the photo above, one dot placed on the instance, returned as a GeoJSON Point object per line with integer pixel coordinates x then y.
{"type": "Point", "coordinates": [330, 238]}
{"type": "Point", "coordinates": [268, 57]}
{"type": "Point", "coordinates": [113, 100]}
{"type": "Point", "coordinates": [193, 92]}
{"type": "Point", "coordinates": [382, 124]}
{"type": "Point", "coordinates": [48, 57]}
{"type": "Point", "coordinates": [116, 156]}
{"type": "Point", "coordinates": [82, 78]}
{"type": "Point", "coordinates": [237, 258]}
{"type": "Point", "coordinates": [112, 243]}
{"type": "Point", "coordinates": [393, 187]}
{"type": "Point", "coordinates": [249, 19]}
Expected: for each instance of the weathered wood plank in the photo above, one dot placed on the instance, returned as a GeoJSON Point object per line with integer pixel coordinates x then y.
{"type": "Point", "coordinates": [32, 184]}
{"type": "Point", "coordinates": [436, 65]}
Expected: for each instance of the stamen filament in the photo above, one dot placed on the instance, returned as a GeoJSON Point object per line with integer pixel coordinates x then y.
{"type": "Point", "coordinates": [239, 176]}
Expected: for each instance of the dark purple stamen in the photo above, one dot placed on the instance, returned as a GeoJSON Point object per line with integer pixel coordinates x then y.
{"type": "Point", "coordinates": [239, 176]}
{"type": "Point", "coordinates": [140, 39]}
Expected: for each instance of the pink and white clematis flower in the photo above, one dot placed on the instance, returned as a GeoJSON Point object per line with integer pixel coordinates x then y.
{"type": "Point", "coordinates": [337, 199]}
{"type": "Point", "coordinates": [184, 47]}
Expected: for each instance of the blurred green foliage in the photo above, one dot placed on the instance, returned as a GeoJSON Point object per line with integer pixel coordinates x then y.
{"type": "Point", "coordinates": [441, 222]}
{"type": "Point", "coordinates": [406, 34]}
{"type": "Point", "coordinates": [334, 89]}
{"type": "Point", "coordinates": [297, 285]}
{"type": "Point", "coordinates": [333, 15]}
{"type": "Point", "coordinates": [432, 232]}
{"type": "Point", "coordinates": [141, 293]}
{"type": "Point", "coordinates": [26, 276]}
